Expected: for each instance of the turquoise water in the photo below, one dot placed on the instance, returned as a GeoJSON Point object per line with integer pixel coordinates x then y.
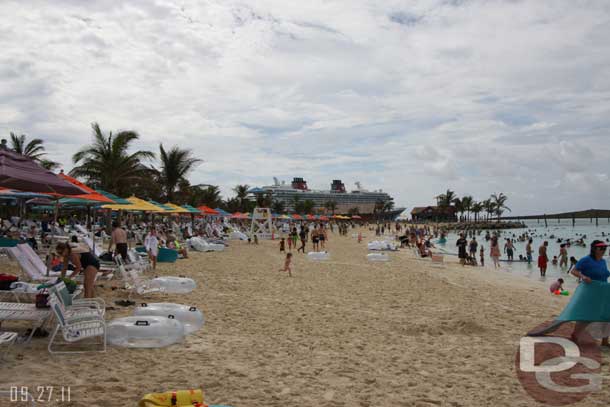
{"type": "Point", "coordinates": [539, 234]}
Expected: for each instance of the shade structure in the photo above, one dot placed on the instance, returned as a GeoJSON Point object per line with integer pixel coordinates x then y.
{"type": "Point", "coordinates": [296, 216]}
{"type": "Point", "coordinates": [175, 208]}
{"type": "Point", "coordinates": [222, 212]}
{"type": "Point", "coordinates": [239, 215]}
{"type": "Point", "coordinates": [163, 208]}
{"type": "Point", "coordinates": [324, 218]}
{"type": "Point", "coordinates": [24, 174]}
{"type": "Point", "coordinates": [191, 209]}
{"type": "Point", "coordinates": [206, 210]}
{"type": "Point", "coordinates": [310, 217]}
{"type": "Point", "coordinates": [6, 193]}
{"type": "Point", "coordinates": [136, 204]}
{"type": "Point", "coordinates": [114, 198]}
{"type": "Point", "coordinates": [90, 195]}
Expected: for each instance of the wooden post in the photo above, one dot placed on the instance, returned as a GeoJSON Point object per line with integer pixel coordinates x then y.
{"type": "Point", "coordinates": [573, 220]}
{"type": "Point", "coordinates": [596, 221]}
{"type": "Point", "coordinates": [546, 225]}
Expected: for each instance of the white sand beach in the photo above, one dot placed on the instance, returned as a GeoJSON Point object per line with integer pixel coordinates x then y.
{"type": "Point", "coordinates": [341, 333]}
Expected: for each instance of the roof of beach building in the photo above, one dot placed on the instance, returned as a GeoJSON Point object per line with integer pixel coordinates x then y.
{"type": "Point", "coordinates": [437, 209]}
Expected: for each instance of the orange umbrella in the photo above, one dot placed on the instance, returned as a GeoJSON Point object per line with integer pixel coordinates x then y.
{"type": "Point", "coordinates": [296, 217]}
{"type": "Point", "coordinates": [205, 210]}
{"type": "Point", "coordinates": [91, 194]}
{"type": "Point", "coordinates": [310, 217]}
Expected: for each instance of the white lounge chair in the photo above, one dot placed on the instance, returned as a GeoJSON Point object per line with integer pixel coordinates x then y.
{"type": "Point", "coordinates": [134, 282]}
{"type": "Point", "coordinates": [12, 311]}
{"type": "Point", "coordinates": [32, 271]}
{"type": "Point", "coordinates": [96, 306]}
{"type": "Point", "coordinates": [75, 327]}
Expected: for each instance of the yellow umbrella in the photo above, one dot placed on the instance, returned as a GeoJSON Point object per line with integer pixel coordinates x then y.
{"type": "Point", "coordinates": [137, 204]}
{"type": "Point", "coordinates": [175, 208]}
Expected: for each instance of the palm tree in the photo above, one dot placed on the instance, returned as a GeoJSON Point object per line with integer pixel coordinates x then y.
{"type": "Point", "coordinates": [278, 207]}
{"type": "Point", "coordinates": [489, 207]}
{"type": "Point", "coordinates": [446, 199]}
{"type": "Point", "coordinates": [34, 150]}
{"type": "Point", "coordinates": [242, 193]}
{"type": "Point", "coordinates": [467, 202]}
{"type": "Point", "coordinates": [331, 206]}
{"type": "Point", "coordinates": [499, 201]}
{"type": "Point", "coordinates": [209, 196]}
{"type": "Point", "coordinates": [476, 208]}
{"type": "Point", "coordinates": [459, 207]}
{"type": "Point", "coordinates": [175, 166]}
{"type": "Point", "coordinates": [107, 164]}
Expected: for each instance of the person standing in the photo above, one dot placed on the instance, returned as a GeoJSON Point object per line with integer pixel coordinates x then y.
{"type": "Point", "coordinates": [118, 238]}
{"type": "Point", "coordinates": [529, 251]}
{"type": "Point", "coordinates": [303, 237]}
{"type": "Point", "coordinates": [472, 247]}
{"type": "Point", "coordinates": [563, 255]}
{"type": "Point", "coordinates": [494, 251]}
{"type": "Point", "coordinates": [543, 259]}
{"type": "Point", "coordinates": [591, 268]}
{"type": "Point", "coordinates": [461, 244]}
{"type": "Point", "coordinates": [151, 243]}
{"type": "Point", "coordinates": [83, 261]}
{"type": "Point", "coordinates": [509, 249]}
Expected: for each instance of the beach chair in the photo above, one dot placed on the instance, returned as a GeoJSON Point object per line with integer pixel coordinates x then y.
{"type": "Point", "coordinates": [32, 271]}
{"type": "Point", "coordinates": [7, 339]}
{"type": "Point", "coordinates": [134, 282]}
{"type": "Point", "coordinates": [12, 311]}
{"type": "Point", "coordinates": [96, 306]}
{"type": "Point", "coordinates": [75, 327]}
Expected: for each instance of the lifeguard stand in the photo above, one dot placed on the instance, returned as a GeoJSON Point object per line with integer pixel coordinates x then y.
{"type": "Point", "coordinates": [262, 224]}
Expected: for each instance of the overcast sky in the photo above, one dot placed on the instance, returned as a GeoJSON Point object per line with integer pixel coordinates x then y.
{"type": "Point", "coordinates": [412, 97]}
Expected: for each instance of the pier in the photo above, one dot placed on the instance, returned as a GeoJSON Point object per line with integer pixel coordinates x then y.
{"type": "Point", "coordinates": [591, 214]}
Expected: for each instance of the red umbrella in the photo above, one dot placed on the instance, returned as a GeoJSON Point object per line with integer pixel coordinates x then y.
{"type": "Point", "coordinates": [323, 217]}
{"type": "Point", "coordinates": [239, 215]}
{"type": "Point", "coordinates": [297, 217]}
{"type": "Point", "coordinates": [310, 217]}
{"type": "Point", "coordinates": [23, 173]}
{"type": "Point", "coordinates": [205, 210]}
{"type": "Point", "coordinates": [356, 217]}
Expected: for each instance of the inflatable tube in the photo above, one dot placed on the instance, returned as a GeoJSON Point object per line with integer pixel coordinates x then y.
{"type": "Point", "coordinates": [236, 235]}
{"type": "Point", "coordinates": [144, 332]}
{"type": "Point", "coordinates": [190, 317]}
{"type": "Point", "coordinates": [318, 256]}
{"type": "Point", "coordinates": [377, 257]}
{"type": "Point", "coordinates": [175, 285]}
{"type": "Point", "coordinates": [381, 245]}
{"type": "Point", "coordinates": [590, 303]}
{"type": "Point", "coordinates": [200, 245]}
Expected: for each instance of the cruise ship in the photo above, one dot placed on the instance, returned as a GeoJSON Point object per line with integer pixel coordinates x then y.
{"type": "Point", "coordinates": [357, 200]}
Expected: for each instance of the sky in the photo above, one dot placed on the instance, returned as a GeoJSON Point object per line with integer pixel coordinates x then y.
{"type": "Point", "coordinates": [412, 97]}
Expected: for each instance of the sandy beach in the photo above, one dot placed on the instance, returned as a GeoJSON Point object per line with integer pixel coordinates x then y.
{"type": "Point", "coordinates": [345, 332]}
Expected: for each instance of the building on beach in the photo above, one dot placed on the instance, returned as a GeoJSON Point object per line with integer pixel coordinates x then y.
{"type": "Point", "coordinates": [434, 214]}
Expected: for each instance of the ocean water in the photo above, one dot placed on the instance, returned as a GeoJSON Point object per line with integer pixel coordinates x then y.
{"type": "Point", "coordinates": [539, 233]}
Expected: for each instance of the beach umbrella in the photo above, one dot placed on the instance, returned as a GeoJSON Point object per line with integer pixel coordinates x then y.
{"type": "Point", "coordinates": [7, 193]}
{"type": "Point", "coordinates": [205, 210]}
{"type": "Point", "coordinates": [239, 215]}
{"type": "Point", "coordinates": [114, 198]}
{"type": "Point", "coordinates": [191, 209]}
{"type": "Point", "coordinates": [356, 217]}
{"type": "Point", "coordinates": [162, 208]}
{"type": "Point", "coordinates": [222, 212]}
{"type": "Point", "coordinates": [296, 216]}
{"type": "Point", "coordinates": [90, 195]}
{"type": "Point", "coordinates": [324, 218]}
{"type": "Point", "coordinates": [175, 208]}
{"type": "Point", "coordinates": [135, 204]}
{"type": "Point", "coordinates": [310, 217]}
{"type": "Point", "coordinates": [24, 174]}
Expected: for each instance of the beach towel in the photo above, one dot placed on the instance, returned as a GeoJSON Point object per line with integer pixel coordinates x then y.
{"type": "Point", "coordinates": [180, 398]}
{"type": "Point", "coordinates": [590, 303]}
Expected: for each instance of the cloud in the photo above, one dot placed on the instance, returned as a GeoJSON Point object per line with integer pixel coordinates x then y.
{"type": "Point", "coordinates": [477, 96]}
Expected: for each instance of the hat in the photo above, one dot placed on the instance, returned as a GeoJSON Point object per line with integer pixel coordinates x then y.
{"type": "Point", "coordinates": [599, 243]}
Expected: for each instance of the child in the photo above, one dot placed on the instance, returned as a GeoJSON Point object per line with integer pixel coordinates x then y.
{"type": "Point", "coordinates": [360, 237]}
{"type": "Point", "coordinates": [255, 238]}
{"type": "Point", "coordinates": [482, 255]}
{"type": "Point", "coordinates": [573, 262]}
{"type": "Point", "coordinates": [557, 285]}
{"type": "Point", "coordinates": [282, 245]}
{"type": "Point", "coordinates": [289, 242]}
{"type": "Point", "coordinates": [287, 264]}
{"type": "Point", "coordinates": [554, 260]}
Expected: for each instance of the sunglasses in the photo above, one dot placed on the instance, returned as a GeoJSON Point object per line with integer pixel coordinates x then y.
{"type": "Point", "coordinates": [601, 248]}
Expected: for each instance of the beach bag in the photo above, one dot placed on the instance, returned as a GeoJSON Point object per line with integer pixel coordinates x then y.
{"type": "Point", "coordinates": [180, 398]}
{"type": "Point", "coordinates": [42, 299]}
{"type": "Point", "coordinates": [6, 280]}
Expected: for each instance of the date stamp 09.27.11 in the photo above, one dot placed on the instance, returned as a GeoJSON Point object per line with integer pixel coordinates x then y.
{"type": "Point", "coordinates": [40, 394]}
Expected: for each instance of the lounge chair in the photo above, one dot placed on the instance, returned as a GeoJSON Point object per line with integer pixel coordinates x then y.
{"type": "Point", "coordinates": [437, 260]}
{"type": "Point", "coordinates": [12, 311]}
{"type": "Point", "coordinates": [96, 306]}
{"type": "Point", "coordinates": [32, 271]}
{"type": "Point", "coordinates": [76, 326]}
{"type": "Point", "coordinates": [134, 282]}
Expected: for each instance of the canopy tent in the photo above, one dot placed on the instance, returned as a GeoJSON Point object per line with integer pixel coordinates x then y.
{"type": "Point", "coordinates": [24, 174]}
{"type": "Point", "coordinates": [135, 204]}
{"type": "Point", "coordinates": [222, 212]}
{"type": "Point", "coordinates": [205, 210]}
{"type": "Point", "coordinates": [175, 208]}
{"type": "Point", "coordinates": [191, 209]}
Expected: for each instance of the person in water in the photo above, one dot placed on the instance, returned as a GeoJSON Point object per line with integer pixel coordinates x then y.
{"type": "Point", "coordinates": [461, 244]}
{"type": "Point", "coordinates": [591, 268]}
{"type": "Point", "coordinates": [529, 251]}
{"type": "Point", "coordinates": [494, 251]}
{"type": "Point", "coordinates": [543, 259]}
{"type": "Point", "coordinates": [83, 261]}
{"type": "Point", "coordinates": [557, 285]}
{"type": "Point", "coordinates": [563, 256]}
